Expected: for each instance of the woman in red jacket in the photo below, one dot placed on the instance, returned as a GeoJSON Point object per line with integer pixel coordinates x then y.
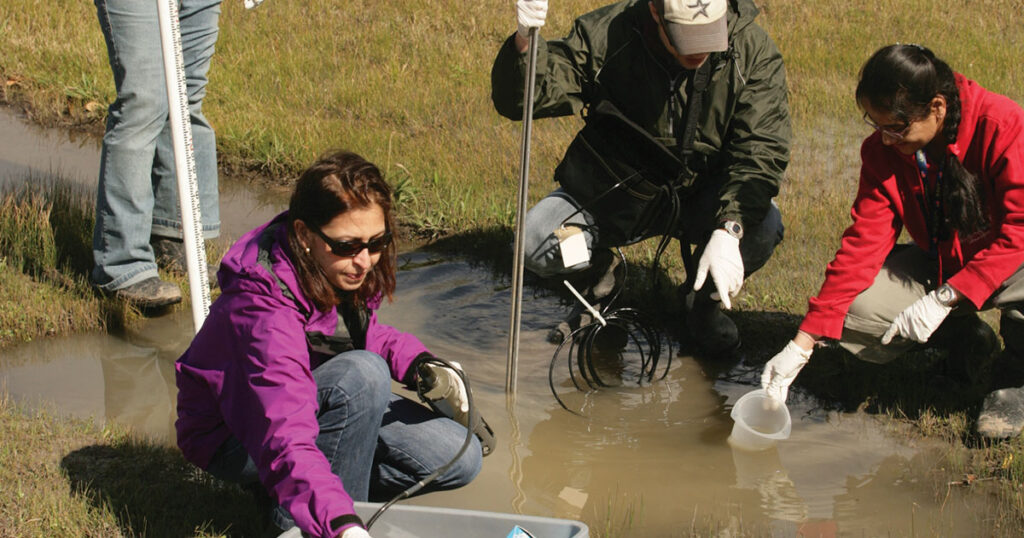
{"type": "Point", "coordinates": [946, 162]}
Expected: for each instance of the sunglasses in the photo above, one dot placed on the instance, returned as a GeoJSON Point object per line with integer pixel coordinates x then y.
{"type": "Point", "coordinates": [349, 249]}
{"type": "Point", "coordinates": [896, 134]}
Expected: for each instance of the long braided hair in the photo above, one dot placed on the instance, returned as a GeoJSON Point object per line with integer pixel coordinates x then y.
{"type": "Point", "coordinates": [903, 80]}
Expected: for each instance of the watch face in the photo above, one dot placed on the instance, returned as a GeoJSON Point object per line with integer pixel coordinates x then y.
{"type": "Point", "coordinates": [946, 295]}
{"type": "Point", "coordinates": [733, 228]}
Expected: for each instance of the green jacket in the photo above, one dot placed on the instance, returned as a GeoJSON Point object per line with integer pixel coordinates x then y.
{"type": "Point", "coordinates": [743, 131]}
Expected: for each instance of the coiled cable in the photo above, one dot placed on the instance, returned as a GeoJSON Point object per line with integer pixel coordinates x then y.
{"type": "Point", "coordinates": [635, 330]}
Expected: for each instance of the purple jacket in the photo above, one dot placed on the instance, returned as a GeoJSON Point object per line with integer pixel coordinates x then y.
{"type": "Point", "coordinates": [249, 373]}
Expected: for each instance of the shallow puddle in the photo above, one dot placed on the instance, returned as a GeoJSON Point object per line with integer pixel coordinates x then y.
{"type": "Point", "coordinates": [656, 454]}
{"type": "Point", "coordinates": [645, 461]}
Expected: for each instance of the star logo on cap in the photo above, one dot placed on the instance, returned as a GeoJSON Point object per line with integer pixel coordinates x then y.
{"type": "Point", "coordinates": [702, 9]}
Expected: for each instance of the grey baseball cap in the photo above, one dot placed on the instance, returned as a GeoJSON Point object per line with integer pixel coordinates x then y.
{"type": "Point", "coordinates": [697, 26]}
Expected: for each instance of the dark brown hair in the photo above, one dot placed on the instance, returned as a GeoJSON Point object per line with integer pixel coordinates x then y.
{"type": "Point", "coordinates": [336, 183]}
{"type": "Point", "coordinates": [903, 80]}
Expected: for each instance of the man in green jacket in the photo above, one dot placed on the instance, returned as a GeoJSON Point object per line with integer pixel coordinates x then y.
{"type": "Point", "coordinates": [687, 136]}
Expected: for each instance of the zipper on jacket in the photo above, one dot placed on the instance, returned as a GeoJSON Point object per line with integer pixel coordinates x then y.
{"type": "Point", "coordinates": [736, 63]}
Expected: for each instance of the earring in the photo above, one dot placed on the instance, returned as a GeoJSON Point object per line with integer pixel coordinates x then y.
{"type": "Point", "coordinates": [307, 250]}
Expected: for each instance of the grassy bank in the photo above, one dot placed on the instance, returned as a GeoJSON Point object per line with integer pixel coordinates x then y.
{"type": "Point", "coordinates": [407, 85]}
{"type": "Point", "coordinates": [67, 477]}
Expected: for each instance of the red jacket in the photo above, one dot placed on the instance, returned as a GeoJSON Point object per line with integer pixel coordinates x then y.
{"type": "Point", "coordinates": [990, 144]}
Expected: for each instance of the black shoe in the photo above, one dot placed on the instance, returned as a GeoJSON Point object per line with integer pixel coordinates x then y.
{"type": "Point", "coordinates": [708, 327]}
{"type": "Point", "coordinates": [170, 255]}
{"type": "Point", "coordinates": [150, 293]}
{"type": "Point", "coordinates": [1002, 414]}
{"type": "Point", "coordinates": [578, 317]}
{"type": "Point", "coordinates": [596, 284]}
{"type": "Point", "coordinates": [971, 345]}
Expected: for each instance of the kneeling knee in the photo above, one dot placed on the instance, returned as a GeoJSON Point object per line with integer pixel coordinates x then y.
{"type": "Point", "coordinates": [357, 373]}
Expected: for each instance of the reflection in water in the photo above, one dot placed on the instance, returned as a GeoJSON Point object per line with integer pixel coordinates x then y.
{"type": "Point", "coordinates": [127, 380]}
{"type": "Point", "coordinates": [30, 151]}
{"type": "Point", "coordinates": [655, 453]}
{"type": "Point", "coordinates": [26, 149]}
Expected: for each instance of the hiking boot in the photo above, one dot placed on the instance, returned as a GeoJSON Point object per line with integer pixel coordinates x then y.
{"type": "Point", "coordinates": [150, 293]}
{"type": "Point", "coordinates": [708, 327]}
{"type": "Point", "coordinates": [595, 284]}
{"type": "Point", "coordinates": [1002, 414]}
{"type": "Point", "coordinates": [170, 255]}
{"type": "Point", "coordinates": [971, 344]}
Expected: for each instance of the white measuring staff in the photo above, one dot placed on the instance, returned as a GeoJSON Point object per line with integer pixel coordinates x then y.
{"type": "Point", "coordinates": [184, 161]}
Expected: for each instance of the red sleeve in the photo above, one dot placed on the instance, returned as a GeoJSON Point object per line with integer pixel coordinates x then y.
{"type": "Point", "coordinates": [865, 244]}
{"type": "Point", "coordinates": [1002, 165]}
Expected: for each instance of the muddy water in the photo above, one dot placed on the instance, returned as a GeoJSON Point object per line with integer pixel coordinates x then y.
{"type": "Point", "coordinates": [30, 151]}
{"type": "Point", "coordinates": [646, 461]}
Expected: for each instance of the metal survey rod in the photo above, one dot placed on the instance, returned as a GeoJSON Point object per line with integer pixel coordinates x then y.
{"type": "Point", "coordinates": [184, 160]}
{"type": "Point", "coordinates": [524, 181]}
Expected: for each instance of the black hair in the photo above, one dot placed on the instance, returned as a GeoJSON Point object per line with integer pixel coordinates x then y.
{"type": "Point", "coordinates": [903, 80]}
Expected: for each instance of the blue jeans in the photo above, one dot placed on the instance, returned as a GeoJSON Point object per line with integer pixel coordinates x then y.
{"type": "Point", "coordinates": [377, 442]}
{"type": "Point", "coordinates": [698, 220]}
{"type": "Point", "coordinates": [137, 192]}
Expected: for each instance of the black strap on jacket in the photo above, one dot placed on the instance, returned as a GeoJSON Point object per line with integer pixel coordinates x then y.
{"type": "Point", "coordinates": [695, 95]}
{"type": "Point", "coordinates": [353, 321]}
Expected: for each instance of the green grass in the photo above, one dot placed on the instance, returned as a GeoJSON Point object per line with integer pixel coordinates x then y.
{"type": "Point", "coordinates": [68, 477]}
{"type": "Point", "coordinates": [45, 257]}
{"type": "Point", "coordinates": [43, 263]}
{"type": "Point", "coordinates": [407, 85]}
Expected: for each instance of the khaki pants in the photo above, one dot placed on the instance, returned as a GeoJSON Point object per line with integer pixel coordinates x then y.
{"type": "Point", "coordinates": [907, 275]}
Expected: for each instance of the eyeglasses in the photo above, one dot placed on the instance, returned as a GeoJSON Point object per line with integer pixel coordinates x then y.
{"type": "Point", "coordinates": [349, 249]}
{"type": "Point", "coordinates": [898, 134]}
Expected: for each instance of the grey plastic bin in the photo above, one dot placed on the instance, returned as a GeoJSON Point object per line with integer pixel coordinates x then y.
{"type": "Point", "coordinates": [408, 521]}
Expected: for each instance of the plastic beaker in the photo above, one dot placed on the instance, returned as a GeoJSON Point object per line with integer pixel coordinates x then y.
{"type": "Point", "coordinates": [759, 421]}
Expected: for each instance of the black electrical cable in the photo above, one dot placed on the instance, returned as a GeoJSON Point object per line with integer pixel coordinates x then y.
{"type": "Point", "coordinates": [640, 335]}
{"type": "Point", "coordinates": [465, 444]}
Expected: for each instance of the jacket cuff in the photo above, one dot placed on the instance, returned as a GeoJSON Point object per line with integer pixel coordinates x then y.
{"type": "Point", "coordinates": [409, 380]}
{"type": "Point", "coordinates": [342, 523]}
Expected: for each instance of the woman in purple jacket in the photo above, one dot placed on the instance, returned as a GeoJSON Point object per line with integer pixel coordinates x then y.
{"type": "Point", "coordinates": [288, 383]}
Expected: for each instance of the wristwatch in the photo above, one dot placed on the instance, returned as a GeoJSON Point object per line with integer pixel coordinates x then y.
{"type": "Point", "coordinates": [733, 228]}
{"type": "Point", "coordinates": [946, 295]}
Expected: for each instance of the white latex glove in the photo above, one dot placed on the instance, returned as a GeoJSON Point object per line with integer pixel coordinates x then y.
{"type": "Point", "coordinates": [530, 14]}
{"type": "Point", "coordinates": [919, 320]}
{"type": "Point", "coordinates": [722, 258]}
{"type": "Point", "coordinates": [780, 372]}
{"type": "Point", "coordinates": [355, 532]}
{"type": "Point", "coordinates": [249, 4]}
{"type": "Point", "coordinates": [446, 390]}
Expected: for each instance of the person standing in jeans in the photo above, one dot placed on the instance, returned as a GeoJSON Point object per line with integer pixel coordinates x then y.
{"type": "Point", "coordinates": [138, 223]}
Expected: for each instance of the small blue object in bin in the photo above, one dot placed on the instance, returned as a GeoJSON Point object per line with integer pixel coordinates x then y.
{"type": "Point", "coordinates": [519, 532]}
{"type": "Point", "coordinates": [411, 521]}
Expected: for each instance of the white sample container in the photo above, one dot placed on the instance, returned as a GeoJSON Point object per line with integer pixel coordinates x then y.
{"type": "Point", "coordinates": [759, 421]}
